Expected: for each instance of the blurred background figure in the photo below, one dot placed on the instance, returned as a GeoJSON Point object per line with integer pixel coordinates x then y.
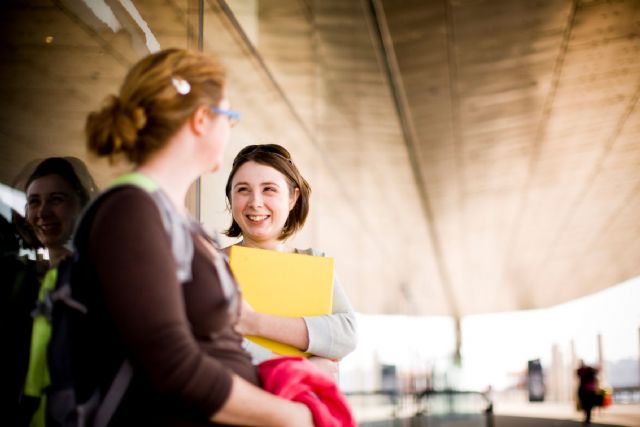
{"type": "Point", "coordinates": [57, 189]}
{"type": "Point", "coordinates": [587, 389]}
{"type": "Point", "coordinates": [55, 197]}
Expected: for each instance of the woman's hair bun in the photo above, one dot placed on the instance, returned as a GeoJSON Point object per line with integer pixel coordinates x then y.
{"type": "Point", "coordinates": [158, 95]}
{"type": "Point", "coordinates": [113, 129]}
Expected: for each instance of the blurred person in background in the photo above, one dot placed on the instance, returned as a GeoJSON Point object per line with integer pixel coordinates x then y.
{"type": "Point", "coordinates": [587, 389]}
{"type": "Point", "coordinates": [56, 192]}
{"type": "Point", "coordinates": [55, 197]}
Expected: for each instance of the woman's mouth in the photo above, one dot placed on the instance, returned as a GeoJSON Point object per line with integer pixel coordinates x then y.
{"type": "Point", "coordinates": [47, 229]}
{"type": "Point", "coordinates": [257, 218]}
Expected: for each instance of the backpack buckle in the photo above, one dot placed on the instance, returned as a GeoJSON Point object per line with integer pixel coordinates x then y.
{"type": "Point", "coordinates": [63, 294]}
{"type": "Point", "coordinates": [44, 307]}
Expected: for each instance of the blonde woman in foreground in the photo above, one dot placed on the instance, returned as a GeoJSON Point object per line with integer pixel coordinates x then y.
{"type": "Point", "coordinates": [173, 321]}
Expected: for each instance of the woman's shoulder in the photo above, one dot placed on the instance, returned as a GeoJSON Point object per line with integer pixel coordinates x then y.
{"type": "Point", "coordinates": [123, 194]}
{"type": "Point", "coordinates": [121, 205]}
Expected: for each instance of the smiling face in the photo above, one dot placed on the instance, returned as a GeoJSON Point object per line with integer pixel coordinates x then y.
{"type": "Point", "coordinates": [261, 200]}
{"type": "Point", "coordinates": [52, 209]}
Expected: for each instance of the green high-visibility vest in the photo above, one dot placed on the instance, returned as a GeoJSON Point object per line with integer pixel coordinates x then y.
{"type": "Point", "coordinates": [38, 373]}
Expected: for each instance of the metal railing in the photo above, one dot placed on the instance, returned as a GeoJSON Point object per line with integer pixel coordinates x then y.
{"type": "Point", "coordinates": [424, 408]}
{"type": "Point", "coordinates": [624, 395]}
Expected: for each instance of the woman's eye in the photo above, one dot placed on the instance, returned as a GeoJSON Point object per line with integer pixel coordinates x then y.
{"type": "Point", "coordinates": [32, 203]}
{"type": "Point", "coordinates": [242, 190]}
{"type": "Point", "coordinates": [272, 189]}
{"type": "Point", "coordinates": [57, 200]}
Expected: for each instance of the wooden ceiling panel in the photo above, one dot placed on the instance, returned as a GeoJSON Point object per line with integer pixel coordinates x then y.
{"type": "Point", "coordinates": [509, 177]}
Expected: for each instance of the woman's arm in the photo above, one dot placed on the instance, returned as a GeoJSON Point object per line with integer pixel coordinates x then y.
{"type": "Point", "coordinates": [131, 253]}
{"type": "Point", "coordinates": [332, 336]}
{"type": "Point", "coordinates": [249, 405]}
{"type": "Point", "coordinates": [287, 330]}
{"type": "Point", "coordinates": [132, 257]}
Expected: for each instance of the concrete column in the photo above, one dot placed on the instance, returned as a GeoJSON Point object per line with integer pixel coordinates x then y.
{"type": "Point", "coordinates": [556, 375]}
{"type": "Point", "coordinates": [457, 355]}
{"type": "Point", "coordinates": [601, 362]}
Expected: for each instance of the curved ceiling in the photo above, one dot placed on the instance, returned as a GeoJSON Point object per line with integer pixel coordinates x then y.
{"type": "Point", "coordinates": [467, 156]}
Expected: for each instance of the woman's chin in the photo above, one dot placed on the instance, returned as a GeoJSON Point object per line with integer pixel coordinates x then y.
{"type": "Point", "coordinates": [261, 239]}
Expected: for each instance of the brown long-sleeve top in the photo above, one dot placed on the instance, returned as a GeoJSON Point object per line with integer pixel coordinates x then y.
{"type": "Point", "coordinates": [179, 337]}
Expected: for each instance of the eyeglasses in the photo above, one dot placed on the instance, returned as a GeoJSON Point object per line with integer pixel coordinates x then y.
{"type": "Point", "coordinates": [234, 116]}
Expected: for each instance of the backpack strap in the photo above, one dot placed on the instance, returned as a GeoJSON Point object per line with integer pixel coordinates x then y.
{"type": "Point", "coordinates": [137, 179]}
{"type": "Point", "coordinates": [114, 395]}
{"type": "Point", "coordinates": [177, 226]}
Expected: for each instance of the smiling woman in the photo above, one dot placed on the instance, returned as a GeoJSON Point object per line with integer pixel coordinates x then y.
{"type": "Point", "coordinates": [269, 201]}
{"type": "Point", "coordinates": [55, 198]}
{"type": "Point", "coordinates": [56, 190]}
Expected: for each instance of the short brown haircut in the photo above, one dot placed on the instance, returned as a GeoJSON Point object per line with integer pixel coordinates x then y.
{"type": "Point", "coordinates": [157, 96]}
{"type": "Point", "coordinates": [277, 157]}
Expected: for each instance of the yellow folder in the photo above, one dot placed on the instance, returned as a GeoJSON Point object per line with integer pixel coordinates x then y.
{"type": "Point", "coordinates": [285, 284]}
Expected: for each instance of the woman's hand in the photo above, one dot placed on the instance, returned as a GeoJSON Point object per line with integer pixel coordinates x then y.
{"type": "Point", "coordinates": [248, 405]}
{"type": "Point", "coordinates": [287, 330]}
{"type": "Point", "coordinates": [247, 323]}
{"type": "Point", "coordinates": [328, 366]}
{"type": "Point", "coordinates": [300, 417]}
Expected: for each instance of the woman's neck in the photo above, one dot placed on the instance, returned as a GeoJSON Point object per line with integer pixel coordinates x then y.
{"type": "Point", "coordinates": [171, 174]}
{"type": "Point", "coordinates": [57, 254]}
{"type": "Point", "coordinates": [277, 245]}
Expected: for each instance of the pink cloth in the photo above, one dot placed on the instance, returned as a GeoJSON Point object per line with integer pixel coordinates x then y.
{"type": "Point", "coordinates": [295, 378]}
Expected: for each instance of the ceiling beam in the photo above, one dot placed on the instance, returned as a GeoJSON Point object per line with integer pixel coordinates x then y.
{"type": "Point", "coordinates": [521, 289]}
{"type": "Point", "coordinates": [389, 62]}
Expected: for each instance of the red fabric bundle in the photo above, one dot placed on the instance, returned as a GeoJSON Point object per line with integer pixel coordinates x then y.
{"type": "Point", "coordinates": [295, 378]}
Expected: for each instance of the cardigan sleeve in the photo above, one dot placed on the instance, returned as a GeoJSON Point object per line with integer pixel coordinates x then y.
{"type": "Point", "coordinates": [332, 335]}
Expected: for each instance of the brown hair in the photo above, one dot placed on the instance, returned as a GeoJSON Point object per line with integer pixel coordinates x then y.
{"type": "Point", "coordinates": [69, 169]}
{"type": "Point", "coordinates": [157, 96]}
{"type": "Point", "coordinates": [72, 170]}
{"type": "Point", "coordinates": [277, 157]}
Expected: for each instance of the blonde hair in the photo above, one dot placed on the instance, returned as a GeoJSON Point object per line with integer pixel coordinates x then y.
{"type": "Point", "coordinates": [157, 96]}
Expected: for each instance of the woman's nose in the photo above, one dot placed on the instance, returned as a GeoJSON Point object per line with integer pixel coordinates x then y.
{"type": "Point", "coordinates": [256, 199]}
{"type": "Point", "coordinates": [43, 210]}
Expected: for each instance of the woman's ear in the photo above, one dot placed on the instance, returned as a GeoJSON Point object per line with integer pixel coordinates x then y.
{"type": "Point", "coordinates": [294, 198]}
{"type": "Point", "coordinates": [199, 120]}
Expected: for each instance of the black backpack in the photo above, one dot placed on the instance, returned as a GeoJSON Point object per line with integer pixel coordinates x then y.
{"type": "Point", "coordinates": [71, 318]}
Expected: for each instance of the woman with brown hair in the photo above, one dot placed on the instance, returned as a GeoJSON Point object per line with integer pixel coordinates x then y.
{"type": "Point", "coordinates": [172, 320]}
{"type": "Point", "coordinates": [269, 201]}
{"type": "Point", "coordinates": [56, 194]}
{"type": "Point", "coordinates": [57, 190]}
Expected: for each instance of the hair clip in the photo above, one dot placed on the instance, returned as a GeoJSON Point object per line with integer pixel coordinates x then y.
{"type": "Point", "coordinates": [182, 86]}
